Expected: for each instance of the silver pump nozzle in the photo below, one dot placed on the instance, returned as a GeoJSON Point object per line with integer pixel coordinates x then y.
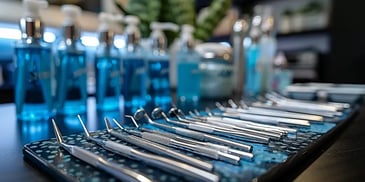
{"type": "Point", "coordinates": [158, 39]}
{"type": "Point", "coordinates": [70, 27]}
{"type": "Point", "coordinates": [107, 27]}
{"type": "Point", "coordinates": [31, 24]}
{"type": "Point", "coordinates": [132, 32]}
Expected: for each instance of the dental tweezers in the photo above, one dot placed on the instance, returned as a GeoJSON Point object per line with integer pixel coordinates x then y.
{"type": "Point", "coordinates": [122, 173]}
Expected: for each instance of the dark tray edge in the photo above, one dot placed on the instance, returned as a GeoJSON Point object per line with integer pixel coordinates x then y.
{"type": "Point", "coordinates": [53, 173]}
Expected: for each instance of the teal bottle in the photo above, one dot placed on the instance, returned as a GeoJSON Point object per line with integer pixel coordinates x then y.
{"type": "Point", "coordinates": [33, 67]}
{"type": "Point", "coordinates": [134, 87]}
{"type": "Point", "coordinates": [188, 73]}
{"type": "Point", "coordinates": [107, 67]}
{"type": "Point", "coordinates": [71, 71]}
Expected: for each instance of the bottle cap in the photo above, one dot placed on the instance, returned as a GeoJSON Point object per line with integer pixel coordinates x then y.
{"type": "Point", "coordinates": [71, 12]}
{"type": "Point", "coordinates": [108, 22]}
{"type": "Point", "coordinates": [32, 7]}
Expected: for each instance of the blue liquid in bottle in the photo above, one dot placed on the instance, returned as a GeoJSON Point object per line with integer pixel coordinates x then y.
{"type": "Point", "coordinates": [33, 88]}
{"type": "Point", "coordinates": [71, 82]}
{"type": "Point", "coordinates": [253, 76]}
{"type": "Point", "coordinates": [158, 73]}
{"type": "Point", "coordinates": [188, 76]}
{"type": "Point", "coordinates": [134, 82]}
{"type": "Point", "coordinates": [107, 74]}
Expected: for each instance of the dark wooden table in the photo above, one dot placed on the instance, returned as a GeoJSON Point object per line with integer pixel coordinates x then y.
{"type": "Point", "coordinates": [344, 160]}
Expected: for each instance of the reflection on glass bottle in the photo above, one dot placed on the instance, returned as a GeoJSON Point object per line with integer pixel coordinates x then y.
{"type": "Point", "coordinates": [33, 131]}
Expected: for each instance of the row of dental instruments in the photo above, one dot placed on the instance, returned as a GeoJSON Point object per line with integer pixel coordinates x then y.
{"type": "Point", "coordinates": [207, 134]}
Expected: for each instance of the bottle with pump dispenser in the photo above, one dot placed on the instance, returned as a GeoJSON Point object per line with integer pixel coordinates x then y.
{"type": "Point", "coordinates": [268, 46]}
{"type": "Point", "coordinates": [188, 73]}
{"type": "Point", "coordinates": [71, 71]}
{"type": "Point", "coordinates": [134, 88]}
{"type": "Point", "coordinates": [107, 66]}
{"type": "Point", "coordinates": [253, 68]}
{"type": "Point", "coordinates": [33, 67]}
{"type": "Point", "coordinates": [158, 64]}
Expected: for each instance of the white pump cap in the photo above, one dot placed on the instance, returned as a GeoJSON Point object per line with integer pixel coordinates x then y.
{"type": "Point", "coordinates": [158, 27]}
{"type": "Point", "coordinates": [71, 12]}
{"type": "Point", "coordinates": [157, 37]}
{"type": "Point", "coordinates": [31, 7]}
{"type": "Point", "coordinates": [108, 21]}
{"type": "Point", "coordinates": [187, 32]}
{"type": "Point", "coordinates": [132, 23]}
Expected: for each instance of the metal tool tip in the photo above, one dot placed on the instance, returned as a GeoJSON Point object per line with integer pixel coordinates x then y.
{"type": "Point", "coordinates": [119, 125]}
{"type": "Point", "coordinates": [156, 113]}
{"type": "Point", "coordinates": [83, 126]}
{"type": "Point", "coordinates": [57, 132]}
{"type": "Point", "coordinates": [107, 124]}
{"type": "Point", "coordinates": [133, 120]}
{"type": "Point", "coordinates": [139, 114]}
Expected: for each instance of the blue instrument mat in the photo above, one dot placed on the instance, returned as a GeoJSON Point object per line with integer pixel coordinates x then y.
{"type": "Point", "coordinates": [276, 160]}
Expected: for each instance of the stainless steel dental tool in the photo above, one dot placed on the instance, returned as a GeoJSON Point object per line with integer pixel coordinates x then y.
{"type": "Point", "coordinates": [274, 106]}
{"type": "Point", "coordinates": [157, 113]}
{"type": "Point", "coordinates": [166, 164]}
{"type": "Point", "coordinates": [221, 125]}
{"type": "Point", "coordinates": [337, 105]}
{"type": "Point", "coordinates": [303, 105]}
{"type": "Point", "coordinates": [183, 145]}
{"type": "Point", "coordinates": [217, 130]}
{"type": "Point", "coordinates": [263, 119]}
{"type": "Point", "coordinates": [243, 108]}
{"type": "Point", "coordinates": [244, 155]}
{"type": "Point", "coordinates": [157, 148]}
{"type": "Point", "coordinates": [121, 173]}
{"type": "Point", "coordinates": [213, 117]}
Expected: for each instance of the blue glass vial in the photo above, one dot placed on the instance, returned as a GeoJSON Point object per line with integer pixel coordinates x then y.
{"type": "Point", "coordinates": [71, 71]}
{"type": "Point", "coordinates": [33, 68]}
{"type": "Point", "coordinates": [253, 76]}
{"type": "Point", "coordinates": [134, 88]}
{"type": "Point", "coordinates": [107, 66]}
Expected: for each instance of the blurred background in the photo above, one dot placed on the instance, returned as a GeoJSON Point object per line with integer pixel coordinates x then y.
{"type": "Point", "coordinates": [322, 40]}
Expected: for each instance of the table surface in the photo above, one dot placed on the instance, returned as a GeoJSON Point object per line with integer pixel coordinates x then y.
{"type": "Point", "coordinates": [343, 161]}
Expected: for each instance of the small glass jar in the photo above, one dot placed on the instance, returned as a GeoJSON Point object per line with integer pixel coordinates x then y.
{"type": "Point", "coordinates": [216, 70]}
